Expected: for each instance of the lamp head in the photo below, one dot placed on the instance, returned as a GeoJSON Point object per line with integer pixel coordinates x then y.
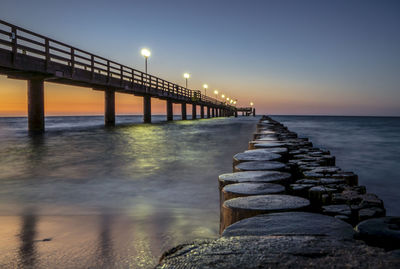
{"type": "Point", "coordinates": [186, 75]}
{"type": "Point", "coordinates": [145, 52]}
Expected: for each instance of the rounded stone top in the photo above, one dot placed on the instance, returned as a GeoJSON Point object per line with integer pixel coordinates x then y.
{"type": "Point", "coordinates": [256, 156]}
{"type": "Point", "coordinates": [254, 176]}
{"type": "Point", "coordinates": [268, 144]}
{"type": "Point", "coordinates": [291, 223]}
{"type": "Point", "coordinates": [268, 203]}
{"type": "Point", "coordinates": [259, 166]}
{"type": "Point", "coordinates": [245, 189]}
{"type": "Point", "coordinates": [271, 150]}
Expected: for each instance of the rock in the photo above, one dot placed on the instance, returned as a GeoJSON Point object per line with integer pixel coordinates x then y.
{"type": "Point", "coordinates": [291, 223]}
{"type": "Point", "coordinates": [316, 194]}
{"type": "Point", "coordinates": [370, 200]}
{"type": "Point", "coordinates": [259, 166]}
{"type": "Point", "coordinates": [326, 181]}
{"type": "Point", "coordinates": [326, 170]}
{"type": "Point", "coordinates": [334, 210]}
{"type": "Point", "coordinates": [312, 175]}
{"type": "Point", "coordinates": [257, 252]}
{"type": "Point", "coordinates": [248, 189]}
{"type": "Point", "coordinates": [369, 213]}
{"type": "Point", "coordinates": [240, 208]}
{"type": "Point", "coordinates": [281, 151]}
{"type": "Point", "coordinates": [300, 189]}
{"type": "Point", "coordinates": [255, 156]}
{"type": "Point", "coordinates": [381, 232]}
{"type": "Point", "coordinates": [254, 176]}
{"type": "Point", "coordinates": [350, 178]}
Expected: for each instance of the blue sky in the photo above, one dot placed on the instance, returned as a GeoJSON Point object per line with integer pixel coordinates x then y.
{"type": "Point", "coordinates": [289, 57]}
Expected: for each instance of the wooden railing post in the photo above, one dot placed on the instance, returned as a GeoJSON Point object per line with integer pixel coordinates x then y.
{"type": "Point", "coordinates": [92, 65]}
{"type": "Point", "coordinates": [72, 61]}
{"type": "Point", "coordinates": [47, 49]}
{"type": "Point", "coordinates": [108, 72]}
{"type": "Point", "coordinates": [122, 75]}
{"type": "Point", "coordinates": [14, 44]}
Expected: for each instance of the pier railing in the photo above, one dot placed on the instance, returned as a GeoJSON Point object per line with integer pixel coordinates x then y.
{"type": "Point", "coordinates": [22, 41]}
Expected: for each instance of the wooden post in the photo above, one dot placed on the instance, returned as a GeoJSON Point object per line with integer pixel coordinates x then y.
{"type": "Point", "coordinates": [202, 111]}
{"type": "Point", "coordinates": [109, 107]}
{"type": "Point", "coordinates": [147, 109]}
{"type": "Point", "coordinates": [194, 112]}
{"type": "Point", "coordinates": [169, 110]}
{"type": "Point", "coordinates": [184, 117]}
{"type": "Point", "coordinates": [208, 112]}
{"type": "Point", "coordinates": [36, 105]}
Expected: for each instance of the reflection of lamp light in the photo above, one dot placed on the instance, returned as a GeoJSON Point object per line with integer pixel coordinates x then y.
{"type": "Point", "coordinates": [186, 76]}
{"type": "Point", "coordinates": [146, 54]}
{"type": "Point", "coordinates": [205, 86]}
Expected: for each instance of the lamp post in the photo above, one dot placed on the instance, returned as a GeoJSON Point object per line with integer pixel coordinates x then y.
{"type": "Point", "coordinates": [186, 76]}
{"type": "Point", "coordinates": [205, 86]}
{"type": "Point", "coordinates": [216, 94]}
{"type": "Point", "coordinates": [146, 54]}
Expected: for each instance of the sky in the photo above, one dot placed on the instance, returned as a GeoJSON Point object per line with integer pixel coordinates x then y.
{"type": "Point", "coordinates": [295, 57]}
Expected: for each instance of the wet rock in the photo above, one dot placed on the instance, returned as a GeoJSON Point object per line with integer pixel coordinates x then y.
{"type": "Point", "coordinates": [370, 200]}
{"type": "Point", "coordinates": [326, 170]}
{"type": "Point", "coordinates": [281, 151]}
{"type": "Point", "coordinates": [326, 181]}
{"type": "Point", "coordinates": [240, 208]}
{"type": "Point", "coordinates": [291, 223]}
{"type": "Point", "coordinates": [255, 156]}
{"type": "Point", "coordinates": [311, 174]}
{"type": "Point", "coordinates": [256, 252]}
{"type": "Point", "coordinates": [247, 189]}
{"type": "Point", "coordinates": [333, 210]}
{"type": "Point", "coordinates": [254, 176]}
{"type": "Point", "coordinates": [266, 144]}
{"type": "Point", "coordinates": [369, 213]}
{"type": "Point", "coordinates": [316, 194]}
{"type": "Point", "coordinates": [381, 232]}
{"type": "Point", "coordinates": [259, 166]}
{"type": "Point", "coordinates": [350, 178]}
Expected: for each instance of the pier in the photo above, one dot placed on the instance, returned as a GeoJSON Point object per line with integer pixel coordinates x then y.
{"type": "Point", "coordinates": [38, 59]}
{"type": "Point", "coordinates": [287, 205]}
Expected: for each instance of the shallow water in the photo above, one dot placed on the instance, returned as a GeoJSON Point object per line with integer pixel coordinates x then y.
{"type": "Point", "coordinates": [111, 197]}
{"type": "Point", "coordinates": [84, 196]}
{"type": "Point", "coordinates": [368, 146]}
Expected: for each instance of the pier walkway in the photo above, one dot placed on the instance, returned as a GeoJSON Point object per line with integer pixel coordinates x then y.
{"type": "Point", "coordinates": [36, 58]}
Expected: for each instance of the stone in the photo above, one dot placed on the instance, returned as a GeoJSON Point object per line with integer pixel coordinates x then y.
{"type": "Point", "coordinates": [326, 181]}
{"type": "Point", "coordinates": [255, 156]}
{"type": "Point", "coordinates": [267, 145]}
{"type": "Point", "coordinates": [291, 223]}
{"type": "Point", "coordinates": [315, 193]}
{"type": "Point", "coordinates": [259, 166]}
{"type": "Point", "coordinates": [254, 176]}
{"type": "Point", "coordinates": [369, 213]}
{"type": "Point", "coordinates": [300, 189]}
{"type": "Point", "coordinates": [281, 151]}
{"type": "Point", "coordinates": [240, 208]}
{"type": "Point", "coordinates": [381, 232]}
{"type": "Point", "coordinates": [334, 210]}
{"type": "Point", "coordinates": [370, 200]}
{"type": "Point", "coordinates": [247, 189]}
{"type": "Point", "coordinates": [326, 170]}
{"type": "Point", "coordinates": [257, 252]}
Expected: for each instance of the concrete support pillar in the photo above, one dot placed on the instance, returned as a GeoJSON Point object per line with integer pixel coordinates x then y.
{"type": "Point", "coordinates": [170, 113]}
{"type": "Point", "coordinates": [208, 112]}
{"type": "Point", "coordinates": [36, 105]}
{"type": "Point", "coordinates": [202, 111]}
{"type": "Point", "coordinates": [242, 113]}
{"type": "Point", "coordinates": [147, 109]}
{"type": "Point", "coordinates": [194, 111]}
{"type": "Point", "coordinates": [217, 112]}
{"type": "Point", "coordinates": [109, 107]}
{"type": "Point", "coordinates": [254, 112]}
{"type": "Point", "coordinates": [183, 109]}
{"type": "Point", "coordinates": [236, 113]}
{"type": "Point", "coordinates": [213, 112]}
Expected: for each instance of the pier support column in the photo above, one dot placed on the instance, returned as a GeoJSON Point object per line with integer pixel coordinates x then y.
{"type": "Point", "coordinates": [183, 109]}
{"type": "Point", "coordinates": [109, 107]}
{"type": "Point", "coordinates": [242, 113]}
{"type": "Point", "coordinates": [36, 105]}
{"type": "Point", "coordinates": [202, 111]}
{"type": "Point", "coordinates": [147, 109]}
{"type": "Point", "coordinates": [213, 112]}
{"type": "Point", "coordinates": [169, 110]}
{"type": "Point", "coordinates": [254, 112]}
{"type": "Point", "coordinates": [208, 112]}
{"type": "Point", "coordinates": [216, 112]}
{"type": "Point", "coordinates": [194, 112]}
{"type": "Point", "coordinates": [236, 113]}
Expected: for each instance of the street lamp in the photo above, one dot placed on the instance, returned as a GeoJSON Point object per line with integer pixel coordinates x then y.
{"type": "Point", "coordinates": [251, 104]}
{"type": "Point", "coordinates": [223, 96]}
{"type": "Point", "coordinates": [146, 54]}
{"type": "Point", "coordinates": [205, 86]}
{"type": "Point", "coordinates": [186, 76]}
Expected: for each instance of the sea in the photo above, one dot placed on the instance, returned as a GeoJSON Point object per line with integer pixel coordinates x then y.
{"type": "Point", "coordinates": [86, 196]}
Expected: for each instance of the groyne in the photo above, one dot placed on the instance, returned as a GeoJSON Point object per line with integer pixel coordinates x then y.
{"type": "Point", "coordinates": [287, 204]}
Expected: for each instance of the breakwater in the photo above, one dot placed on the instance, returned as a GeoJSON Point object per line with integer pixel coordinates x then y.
{"type": "Point", "coordinates": [286, 204]}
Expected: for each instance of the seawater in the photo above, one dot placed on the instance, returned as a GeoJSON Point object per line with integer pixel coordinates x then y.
{"type": "Point", "coordinates": [111, 197]}
{"type": "Point", "coordinates": [85, 196]}
{"type": "Point", "coordinates": [368, 146]}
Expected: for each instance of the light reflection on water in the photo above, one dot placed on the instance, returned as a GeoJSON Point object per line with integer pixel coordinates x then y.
{"type": "Point", "coordinates": [110, 197]}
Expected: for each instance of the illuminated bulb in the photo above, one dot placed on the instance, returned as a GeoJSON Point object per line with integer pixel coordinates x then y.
{"type": "Point", "coordinates": [145, 52]}
{"type": "Point", "coordinates": [186, 75]}
{"type": "Point", "coordinates": [223, 95]}
{"type": "Point", "coordinates": [251, 103]}
{"type": "Point", "coordinates": [215, 92]}
{"type": "Point", "coordinates": [227, 98]}
{"type": "Point", "coordinates": [205, 86]}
